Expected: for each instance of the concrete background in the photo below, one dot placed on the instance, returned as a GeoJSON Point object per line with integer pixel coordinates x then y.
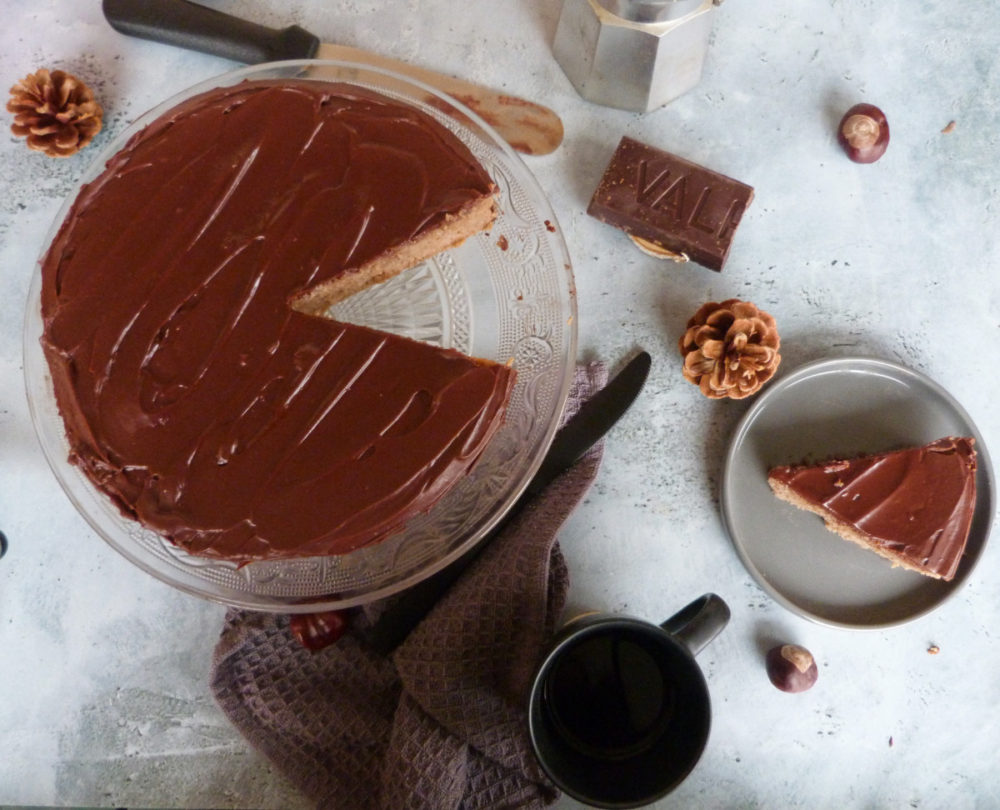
{"type": "Point", "coordinates": [104, 694]}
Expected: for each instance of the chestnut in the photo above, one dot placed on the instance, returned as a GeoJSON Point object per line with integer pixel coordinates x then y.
{"type": "Point", "coordinates": [791, 668]}
{"type": "Point", "coordinates": [314, 631]}
{"type": "Point", "coordinates": [864, 133]}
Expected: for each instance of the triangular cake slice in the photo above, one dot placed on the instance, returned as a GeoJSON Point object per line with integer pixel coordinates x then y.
{"type": "Point", "coordinates": [914, 506]}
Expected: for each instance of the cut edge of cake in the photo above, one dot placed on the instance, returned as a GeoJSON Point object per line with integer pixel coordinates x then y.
{"type": "Point", "coordinates": [474, 217]}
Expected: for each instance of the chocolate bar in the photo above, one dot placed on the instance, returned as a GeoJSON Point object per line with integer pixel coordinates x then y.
{"type": "Point", "coordinates": [680, 206]}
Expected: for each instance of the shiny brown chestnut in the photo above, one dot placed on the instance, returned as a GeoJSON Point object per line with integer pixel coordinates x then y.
{"type": "Point", "coordinates": [314, 631]}
{"type": "Point", "coordinates": [864, 133]}
{"type": "Point", "coordinates": [791, 668]}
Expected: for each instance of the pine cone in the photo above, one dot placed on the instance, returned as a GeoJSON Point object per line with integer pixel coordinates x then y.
{"type": "Point", "coordinates": [56, 111]}
{"type": "Point", "coordinates": [730, 349]}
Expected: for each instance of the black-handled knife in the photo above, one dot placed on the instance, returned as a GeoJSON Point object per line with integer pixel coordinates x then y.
{"type": "Point", "coordinates": [200, 28]}
{"type": "Point", "coordinates": [528, 127]}
{"type": "Point", "coordinates": [595, 417]}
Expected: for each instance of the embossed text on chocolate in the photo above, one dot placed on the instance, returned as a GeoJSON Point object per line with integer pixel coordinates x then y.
{"type": "Point", "coordinates": [691, 202]}
{"type": "Point", "coordinates": [678, 205]}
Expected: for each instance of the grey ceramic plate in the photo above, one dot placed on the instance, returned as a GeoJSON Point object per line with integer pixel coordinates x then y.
{"type": "Point", "coordinates": [840, 407]}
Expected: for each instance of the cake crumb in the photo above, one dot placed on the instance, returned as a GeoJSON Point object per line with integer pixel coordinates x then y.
{"type": "Point", "coordinates": [934, 649]}
{"type": "Point", "coordinates": [949, 128]}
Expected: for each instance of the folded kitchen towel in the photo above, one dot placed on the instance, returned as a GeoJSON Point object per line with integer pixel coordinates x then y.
{"type": "Point", "coordinates": [442, 723]}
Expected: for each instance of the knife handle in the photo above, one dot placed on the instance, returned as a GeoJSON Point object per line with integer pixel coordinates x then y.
{"type": "Point", "coordinates": [199, 28]}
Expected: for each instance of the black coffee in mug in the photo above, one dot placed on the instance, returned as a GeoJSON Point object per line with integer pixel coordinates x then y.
{"type": "Point", "coordinates": [611, 694]}
{"type": "Point", "coordinates": [619, 711]}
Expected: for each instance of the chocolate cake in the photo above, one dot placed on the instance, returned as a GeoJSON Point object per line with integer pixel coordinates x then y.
{"type": "Point", "coordinates": [914, 506]}
{"type": "Point", "coordinates": [199, 389]}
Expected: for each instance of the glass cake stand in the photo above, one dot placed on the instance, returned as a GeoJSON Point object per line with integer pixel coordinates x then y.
{"type": "Point", "coordinates": [509, 298]}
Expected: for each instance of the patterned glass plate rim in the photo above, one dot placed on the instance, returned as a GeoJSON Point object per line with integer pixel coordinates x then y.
{"type": "Point", "coordinates": [504, 295]}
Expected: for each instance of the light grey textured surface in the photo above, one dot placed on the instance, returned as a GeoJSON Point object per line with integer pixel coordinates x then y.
{"type": "Point", "coordinates": [104, 671]}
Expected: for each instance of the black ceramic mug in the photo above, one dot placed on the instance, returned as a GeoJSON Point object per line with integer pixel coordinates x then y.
{"type": "Point", "coordinates": [619, 711]}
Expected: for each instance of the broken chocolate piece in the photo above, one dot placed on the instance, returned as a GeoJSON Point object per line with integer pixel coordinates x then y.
{"type": "Point", "coordinates": [679, 205]}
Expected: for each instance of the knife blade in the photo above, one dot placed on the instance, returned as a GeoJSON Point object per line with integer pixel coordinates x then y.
{"type": "Point", "coordinates": [528, 127]}
{"type": "Point", "coordinates": [595, 417]}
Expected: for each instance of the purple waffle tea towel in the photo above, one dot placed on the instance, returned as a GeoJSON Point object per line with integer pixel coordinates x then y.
{"type": "Point", "coordinates": [443, 722]}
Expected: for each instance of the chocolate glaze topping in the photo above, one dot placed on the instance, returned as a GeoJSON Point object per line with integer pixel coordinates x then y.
{"type": "Point", "coordinates": [192, 393]}
{"type": "Point", "coordinates": [917, 503]}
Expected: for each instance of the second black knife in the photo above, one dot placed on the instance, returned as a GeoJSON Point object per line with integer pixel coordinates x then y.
{"type": "Point", "coordinates": [586, 427]}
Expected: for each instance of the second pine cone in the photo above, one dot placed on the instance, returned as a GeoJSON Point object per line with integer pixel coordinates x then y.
{"type": "Point", "coordinates": [730, 349]}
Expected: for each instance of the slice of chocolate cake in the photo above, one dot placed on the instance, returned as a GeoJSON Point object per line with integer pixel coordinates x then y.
{"type": "Point", "coordinates": [914, 506]}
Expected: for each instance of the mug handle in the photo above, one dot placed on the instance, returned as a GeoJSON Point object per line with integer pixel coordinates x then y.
{"type": "Point", "coordinates": [698, 623]}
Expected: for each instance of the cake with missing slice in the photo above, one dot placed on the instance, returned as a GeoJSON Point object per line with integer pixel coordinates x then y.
{"type": "Point", "coordinates": [913, 506]}
{"type": "Point", "coordinates": [201, 387]}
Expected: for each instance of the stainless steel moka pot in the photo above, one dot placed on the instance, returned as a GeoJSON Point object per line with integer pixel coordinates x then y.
{"type": "Point", "coordinates": [633, 54]}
